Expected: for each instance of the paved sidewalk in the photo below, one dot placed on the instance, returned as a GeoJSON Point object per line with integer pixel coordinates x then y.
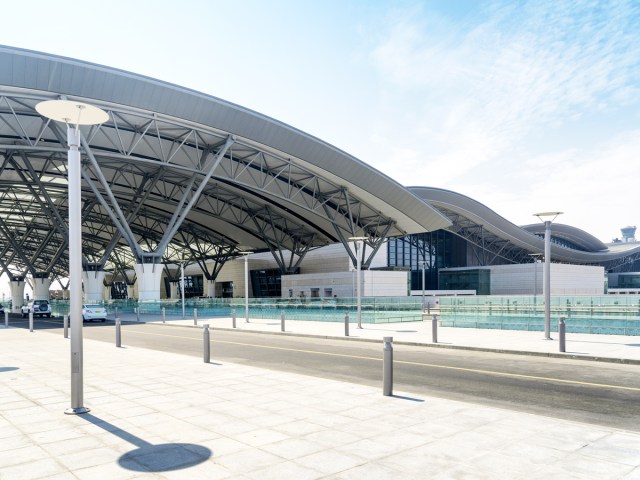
{"type": "Point", "coordinates": [578, 345]}
{"type": "Point", "coordinates": [156, 415]}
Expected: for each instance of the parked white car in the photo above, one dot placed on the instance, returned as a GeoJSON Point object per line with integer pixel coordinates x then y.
{"type": "Point", "coordinates": [40, 308]}
{"type": "Point", "coordinates": [93, 312]}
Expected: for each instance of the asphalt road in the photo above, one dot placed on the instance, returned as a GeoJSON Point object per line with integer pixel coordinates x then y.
{"type": "Point", "coordinates": [593, 392]}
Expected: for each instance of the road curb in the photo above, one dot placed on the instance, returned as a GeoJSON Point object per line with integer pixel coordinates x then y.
{"type": "Point", "coordinates": [565, 356]}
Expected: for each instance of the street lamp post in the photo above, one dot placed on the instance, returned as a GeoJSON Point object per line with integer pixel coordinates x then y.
{"type": "Point", "coordinates": [246, 288]}
{"type": "Point", "coordinates": [424, 262]}
{"type": "Point", "coordinates": [246, 285]}
{"type": "Point", "coordinates": [182, 286]}
{"type": "Point", "coordinates": [358, 242]}
{"type": "Point", "coordinates": [546, 218]}
{"type": "Point", "coordinates": [74, 114]}
{"type": "Point", "coordinates": [535, 257]}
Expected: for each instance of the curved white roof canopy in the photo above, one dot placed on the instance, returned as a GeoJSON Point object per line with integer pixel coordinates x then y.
{"type": "Point", "coordinates": [482, 226]}
{"type": "Point", "coordinates": [175, 174]}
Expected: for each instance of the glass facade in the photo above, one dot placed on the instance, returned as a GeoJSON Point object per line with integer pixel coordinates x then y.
{"type": "Point", "coordinates": [472, 279]}
{"type": "Point", "coordinates": [267, 282]}
{"type": "Point", "coordinates": [193, 286]}
{"type": "Point", "coordinates": [629, 281]}
{"type": "Point", "coordinates": [439, 249]}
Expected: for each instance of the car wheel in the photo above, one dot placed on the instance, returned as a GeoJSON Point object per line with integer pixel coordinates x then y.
{"type": "Point", "coordinates": [48, 315]}
{"type": "Point", "coordinates": [83, 319]}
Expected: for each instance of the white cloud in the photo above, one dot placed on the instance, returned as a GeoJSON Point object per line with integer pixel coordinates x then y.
{"type": "Point", "coordinates": [484, 96]}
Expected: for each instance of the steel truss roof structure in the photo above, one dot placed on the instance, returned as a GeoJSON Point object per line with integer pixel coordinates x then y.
{"type": "Point", "coordinates": [494, 239]}
{"type": "Point", "coordinates": [175, 175]}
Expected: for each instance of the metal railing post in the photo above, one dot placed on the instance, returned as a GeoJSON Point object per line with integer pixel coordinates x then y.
{"type": "Point", "coordinates": [282, 321]}
{"type": "Point", "coordinates": [118, 333]}
{"type": "Point", "coordinates": [137, 314]}
{"type": "Point", "coordinates": [6, 319]}
{"type": "Point", "coordinates": [65, 323]}
{"type": "Point", "coordinates": [207, 347]}
{"type": "Point", "coordinates": [116, 315]}
{"type": "Point", "coordinates": [562, 328]}
{"type": "Point", "coordinates": [195, 316]}
{"type": "Point", "coordinates": [346, 324]}
{"type": "Point", "coordinates": [387, 367]}
{"type": "Point", "coordinates": [434, 328]}
{"type": "Point", "coordinates": [31, 321]}
{"type": "Point", "coordinates": [233, 317]}
{"type": "Point", "coordinates": [164, 315]}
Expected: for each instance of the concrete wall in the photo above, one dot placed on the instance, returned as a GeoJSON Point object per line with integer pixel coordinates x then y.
{"type": "Point", "coordinates": [375, 283]}
{"type": "Point", "coordinates": [565, 279]}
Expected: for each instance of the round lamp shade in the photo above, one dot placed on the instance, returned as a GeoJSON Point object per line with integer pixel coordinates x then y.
{"type": "Point", "coordinates": [75, 113]}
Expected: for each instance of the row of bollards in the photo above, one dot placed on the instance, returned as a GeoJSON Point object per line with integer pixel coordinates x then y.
{"type": "Point", "coordinates": [387, 349]}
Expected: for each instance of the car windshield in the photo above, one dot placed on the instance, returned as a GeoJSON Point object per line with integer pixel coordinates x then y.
{"type": "Point", "coordinates": [42, 302]}
{"type": "Point", "coordinates": [93, 306]}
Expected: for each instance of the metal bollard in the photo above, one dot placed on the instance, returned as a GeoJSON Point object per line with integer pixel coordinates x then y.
{"type": "Point", "coordinates": [562, 328]}
{"type": "Point", "coordinates": [207, 348]}
{"type": "Point", "coordinates": [233, 317]}
{"type": "Point", "coordinates": [118, 333]}
{"type": "Point", "coordinates": [65, 323]}
{"type": "Point", "coordinates": [164, 316]}
{"type": "Point", "coordinates": [6, 319]}
{"type": "Point", "coordinates": [195, 316]}
{"type": "Point", "coordinates": [434, 328]}
{"type": "Point", "coordinates": [346, 324]}
{"type": "Point", "coordinates": [387, 367]}
{"type": "Point", "coordinates": [116, 315]}
{"type": "Point", "coordinates": [31, 321]}
{"type": "Point", "coordinates": [428, 308]}
{"type": "Point", "coordinates": [282, 321]}
{"type": "Point", "coordinates": [137, 314]}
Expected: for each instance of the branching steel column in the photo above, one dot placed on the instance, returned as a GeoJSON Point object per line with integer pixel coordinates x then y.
{"type": "Point", "coordinates": [175, 222]}
{"type": "Point", "coordinates": [124, 229]}
{"type": "Point", "coordinates": [16, 248]}
{"type": "Point", "coordinates": [124, 226]}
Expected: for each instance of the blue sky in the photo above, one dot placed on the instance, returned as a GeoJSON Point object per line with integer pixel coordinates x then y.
{"type": "Point", "coordinates": [525, 106]}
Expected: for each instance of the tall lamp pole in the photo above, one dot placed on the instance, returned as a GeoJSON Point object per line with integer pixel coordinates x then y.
{"type": "Point", "coordinates": [246, 285]}
{"type": "Point", "coordinates": [74, 114]}
{"type": "Point", "coordinates": [535, 257]}
{"type": "Point", "coordinates": [182, 286]}
{"type": "Point", "coordinates": [358, 242]}
{"type": "Point", "coordinates": [547, 218]}
{"type": "Point", "coordinates": [424, 262]}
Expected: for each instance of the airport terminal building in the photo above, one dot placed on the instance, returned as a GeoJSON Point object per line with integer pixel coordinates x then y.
{"type": "Point", "coordinates": [178, 180]}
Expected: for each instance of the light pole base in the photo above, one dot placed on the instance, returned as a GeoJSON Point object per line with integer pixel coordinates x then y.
{"type": "Point", "coordinates": [77, 411]}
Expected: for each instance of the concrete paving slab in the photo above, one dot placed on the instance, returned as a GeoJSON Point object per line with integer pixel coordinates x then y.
{"type": "Point", "coordinates": [183, 419]}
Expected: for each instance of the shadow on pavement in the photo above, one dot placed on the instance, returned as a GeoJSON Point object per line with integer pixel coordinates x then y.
{"type": "Point", "coordinates": [153, 458]}
{"type": "Point", "coordinates": [400, 397]}
{"type": "Point", "coordinates": [8, 369]}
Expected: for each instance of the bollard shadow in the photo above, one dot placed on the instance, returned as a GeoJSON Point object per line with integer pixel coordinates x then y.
{"type": "Point", "coordinates": [411, 399]}
{"type": "Point", "coordinates": [216, 364]}
{"type": "Point", "coordinates": [8, 369]}
{"type": "Point", "coordinates": [147, 457]}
